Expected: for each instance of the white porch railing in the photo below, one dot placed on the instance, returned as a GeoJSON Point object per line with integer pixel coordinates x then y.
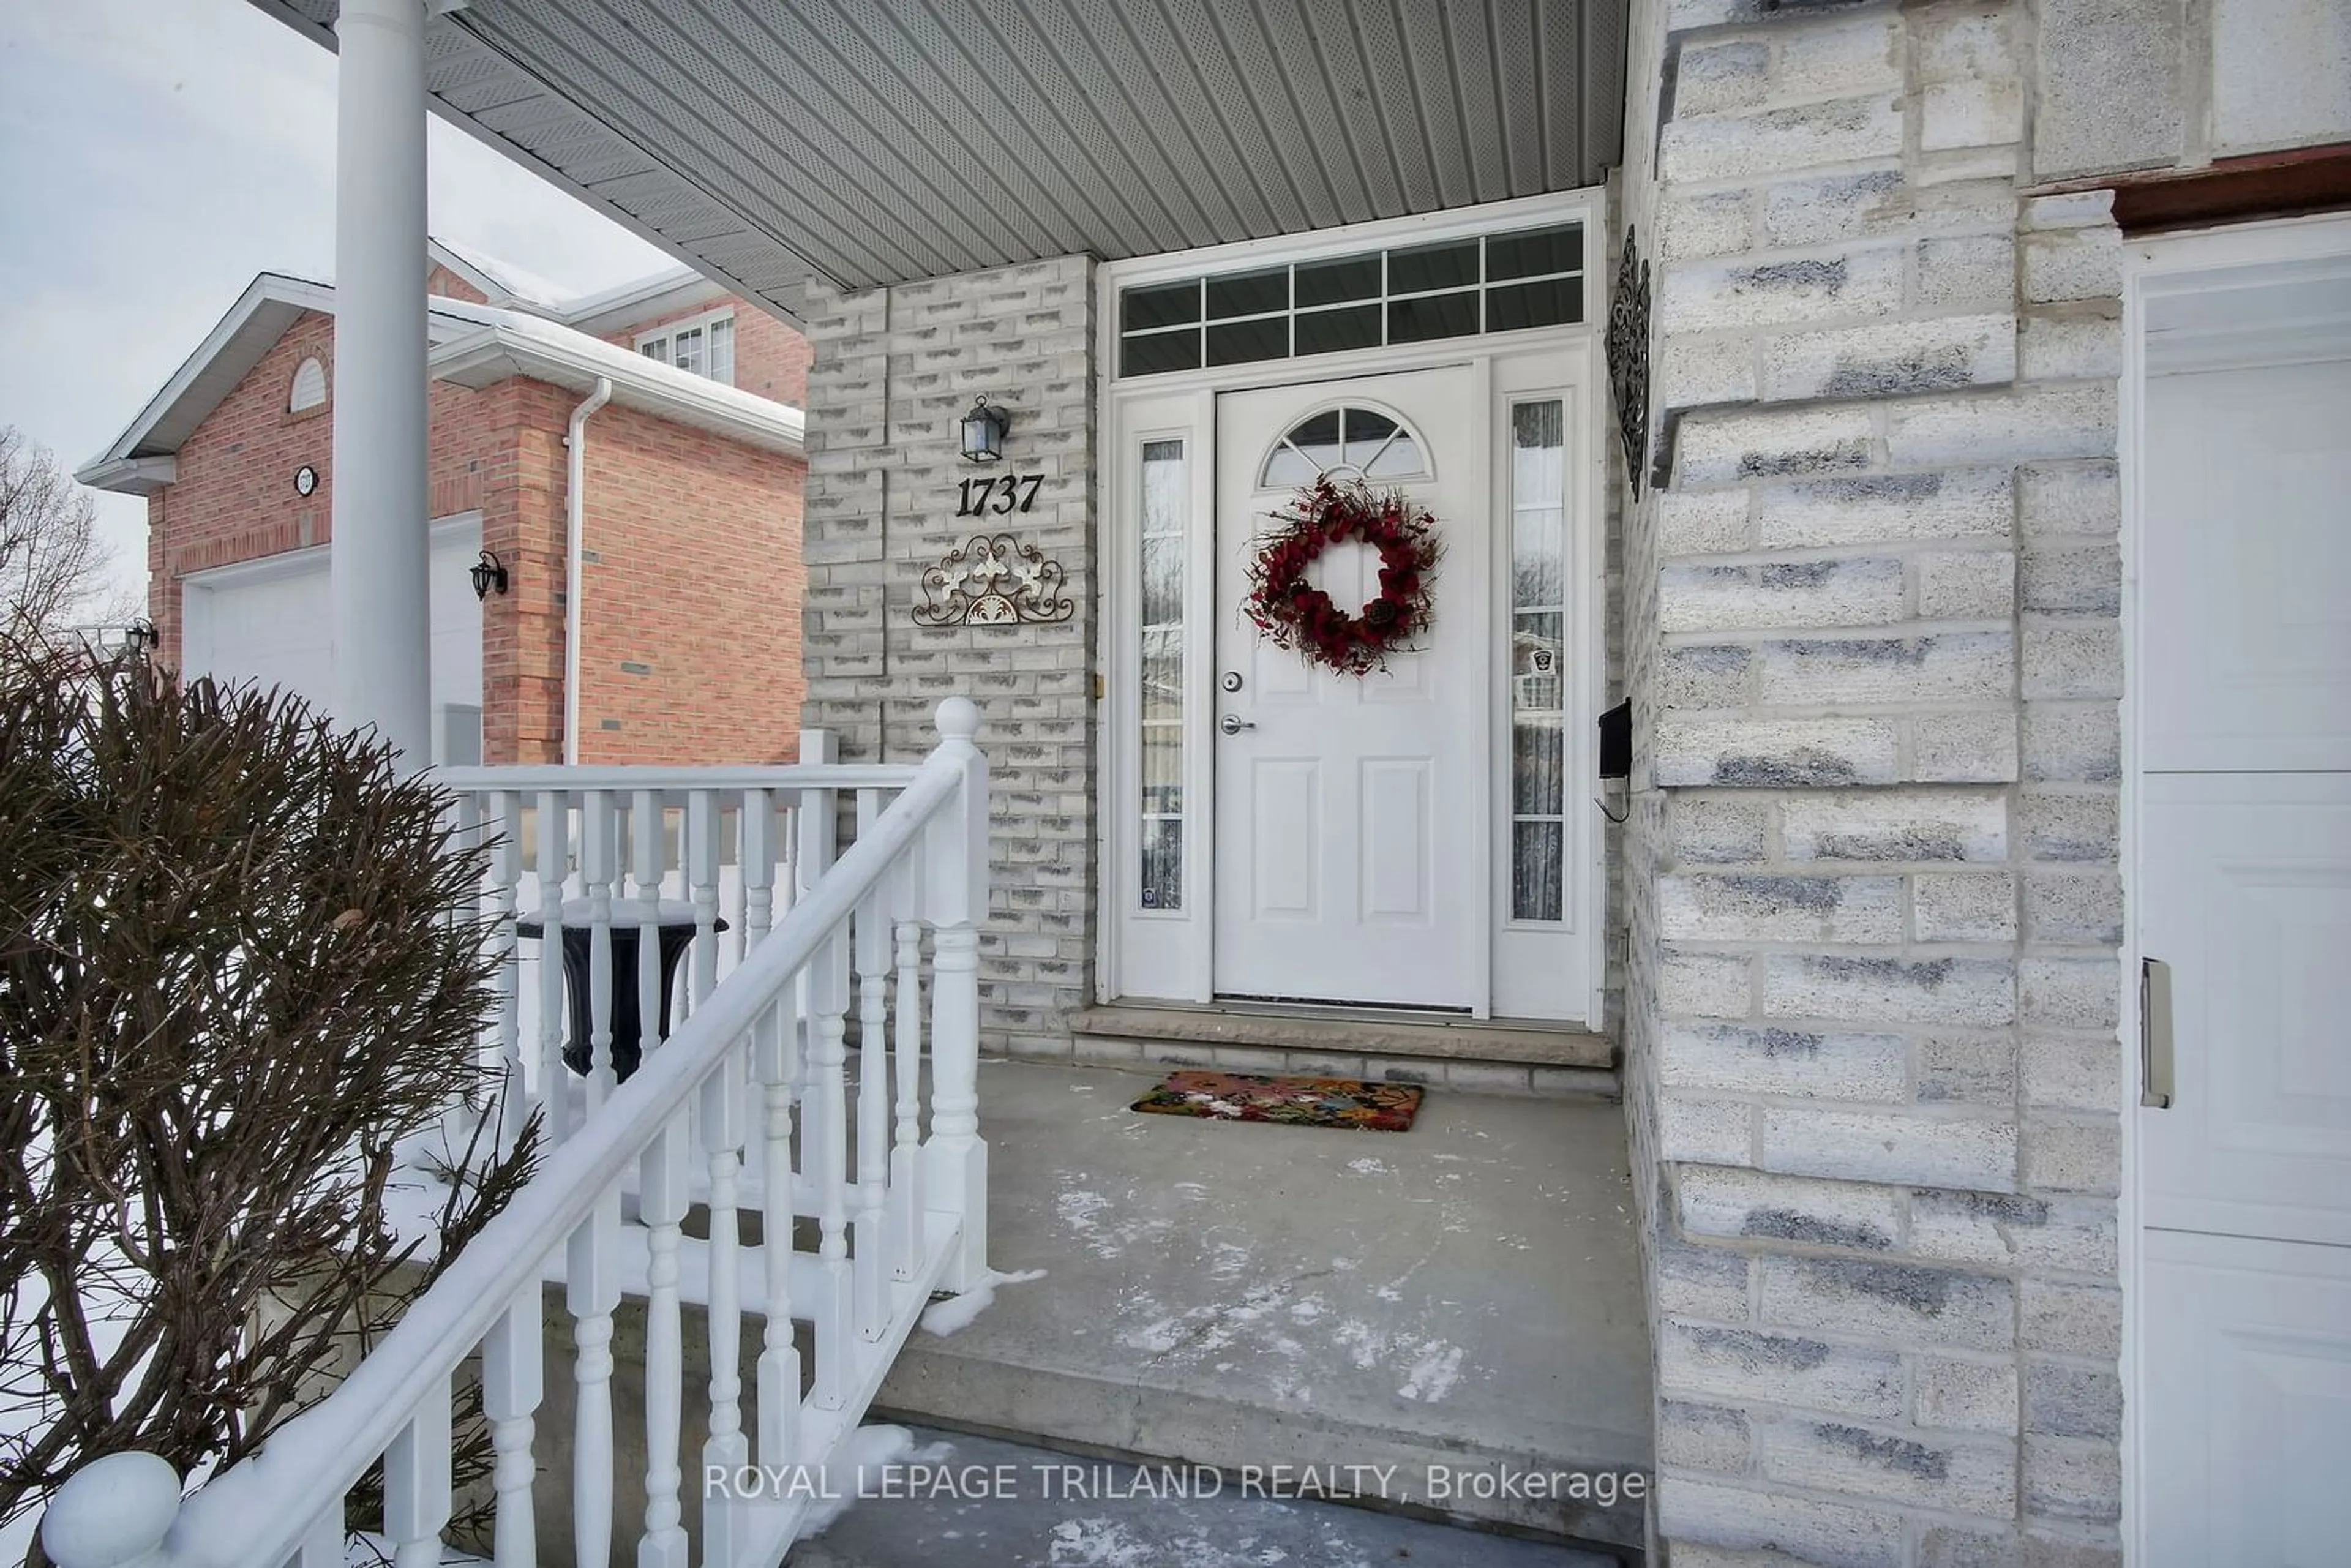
{"type": "Point", "coordinates": [666, 877]}
{"type": "Point", "coordinates": [759, 1062]}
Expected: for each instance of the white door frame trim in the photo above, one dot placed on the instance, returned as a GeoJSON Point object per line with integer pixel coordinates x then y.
{"type": "Point", "coordinates": [2155, 266]}
{"type": "Point", "coordinates": [1117, 784]}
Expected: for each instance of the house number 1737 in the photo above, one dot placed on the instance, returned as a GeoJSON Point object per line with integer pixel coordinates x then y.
{"type": "Point", "coordinates": [996, 496]}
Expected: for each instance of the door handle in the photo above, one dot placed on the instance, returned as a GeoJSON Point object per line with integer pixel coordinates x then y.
{"type": "Point", "coordinates": [1233, 724]}
{"type": "Point", "coordinates": [2154, 1033]}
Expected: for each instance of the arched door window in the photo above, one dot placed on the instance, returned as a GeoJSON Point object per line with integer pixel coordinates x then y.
{"type": "Point", "coordinates": [1345, 443]}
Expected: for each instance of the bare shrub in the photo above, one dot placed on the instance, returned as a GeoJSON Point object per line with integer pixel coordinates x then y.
{"type": "Point", "coordinates": [239, 967]}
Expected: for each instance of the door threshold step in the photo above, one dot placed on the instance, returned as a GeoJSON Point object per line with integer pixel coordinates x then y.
{"type": "Point", "coordinates": [1464, 1053]}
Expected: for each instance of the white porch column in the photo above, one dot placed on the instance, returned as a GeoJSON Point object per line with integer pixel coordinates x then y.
{"type": "Point", "coordinates": [378, 589]}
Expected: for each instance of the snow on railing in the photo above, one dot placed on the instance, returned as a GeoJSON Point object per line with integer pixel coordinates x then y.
{"type": "Point", "coordinates": [897, 1215]}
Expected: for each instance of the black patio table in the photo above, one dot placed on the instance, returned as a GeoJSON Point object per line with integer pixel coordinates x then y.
{"type": "Point", "coordinates": [678, 923]}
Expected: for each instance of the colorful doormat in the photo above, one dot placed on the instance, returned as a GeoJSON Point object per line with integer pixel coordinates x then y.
{"type": "Point", "coordinates": [1307, 1102]}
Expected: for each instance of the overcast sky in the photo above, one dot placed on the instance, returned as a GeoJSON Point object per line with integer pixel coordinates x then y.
{"type": "Point", "coordinates": [154, 156]}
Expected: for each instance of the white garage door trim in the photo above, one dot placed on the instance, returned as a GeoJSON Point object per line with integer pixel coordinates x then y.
{"type": "Point", "coordinates": [456, 688]}
{"type": "Point", "coordinates": [2166, 265]}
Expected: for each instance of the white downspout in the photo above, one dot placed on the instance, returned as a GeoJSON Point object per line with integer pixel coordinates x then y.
{"type": "Point", "coordinates": [575, 528]}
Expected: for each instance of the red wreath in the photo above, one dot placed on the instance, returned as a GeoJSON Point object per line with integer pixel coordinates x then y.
{"type": "Point", "coordinates": [1294, 613]}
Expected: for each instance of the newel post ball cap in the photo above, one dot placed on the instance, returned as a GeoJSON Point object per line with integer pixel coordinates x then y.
{"type": "Point", "coordinates": [957, 719]}
{"type": "Point", "coordinates": [112, 1512]}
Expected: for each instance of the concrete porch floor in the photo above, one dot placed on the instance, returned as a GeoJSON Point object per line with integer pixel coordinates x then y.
{"type": "Point", "coordinates": [1458, 1300]}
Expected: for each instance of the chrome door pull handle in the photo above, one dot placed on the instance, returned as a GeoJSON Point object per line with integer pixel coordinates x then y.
{"type": "Point", "coordinates": [1233, 724]}
{"type": "Point", "coordinates": [2154, 1033]}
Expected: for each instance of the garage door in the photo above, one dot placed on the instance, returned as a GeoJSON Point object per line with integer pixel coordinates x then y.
{"type": "Point", "coordinates": [268, 622]}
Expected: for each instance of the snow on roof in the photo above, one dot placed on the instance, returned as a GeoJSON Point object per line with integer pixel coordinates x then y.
{"type": "Point", "coordinates": [473, 345]}
{"type": "Point", "coordinates": [501, 280]}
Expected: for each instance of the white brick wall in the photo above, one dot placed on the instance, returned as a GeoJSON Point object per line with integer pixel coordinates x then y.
{"type": "Point", "coordinates": [1871, 640]}
{"type": "Point", "coordinates": [894, 370]}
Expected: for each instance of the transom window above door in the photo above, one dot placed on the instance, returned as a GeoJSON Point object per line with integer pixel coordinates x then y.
{"type": "Point", "coordinates": [1345, 443]}
{"type": "Point", "coordinates": [1406, 294]}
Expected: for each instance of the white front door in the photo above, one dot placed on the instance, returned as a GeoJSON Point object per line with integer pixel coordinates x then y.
{"type": "Point", "coordinates": [2243, 896]}
{"type": "Point", "coordinates": [1351, 860]}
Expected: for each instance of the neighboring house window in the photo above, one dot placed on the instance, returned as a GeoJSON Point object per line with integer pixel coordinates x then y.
{"type": "Point", "coordinates": [309, 387]}
{"type": "Point", "coordinates": [704, 345]}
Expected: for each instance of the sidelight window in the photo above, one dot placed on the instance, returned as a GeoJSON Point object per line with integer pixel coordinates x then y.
{"type": "Point", "coordinates": [1538, 660]}
{"type": "Point", "coordinates": [1165, 497]}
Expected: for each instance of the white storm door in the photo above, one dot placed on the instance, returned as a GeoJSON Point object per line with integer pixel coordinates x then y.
{"type": "Point", "coordinates": [1350, 850]}
{"type": "Point", "coordinates": [2243, 894]}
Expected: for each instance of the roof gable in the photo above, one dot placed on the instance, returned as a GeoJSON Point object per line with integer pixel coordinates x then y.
{"type": "Point", "coordinates": [262, 315]}
{"type": "Point", "coordinates": [473, 345]}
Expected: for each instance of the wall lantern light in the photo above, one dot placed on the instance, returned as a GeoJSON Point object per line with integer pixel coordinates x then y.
{"type": "Point", "coordinates": [983, 432]}
{"type": "Point", "coordinates": [488, 573]}
{"type": "Point", "coordinates": [142, 638]}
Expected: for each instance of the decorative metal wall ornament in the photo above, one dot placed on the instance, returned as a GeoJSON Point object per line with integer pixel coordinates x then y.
{"type": "Point", "coordinates": [1628, 357]}
{"type": "Point", "coordinates": [994, 580]}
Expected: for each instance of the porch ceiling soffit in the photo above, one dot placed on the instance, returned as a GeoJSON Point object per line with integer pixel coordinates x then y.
{"type": "Point", "coordinates": [767, 140]}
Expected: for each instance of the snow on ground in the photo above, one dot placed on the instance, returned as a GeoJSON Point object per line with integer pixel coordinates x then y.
{"type": "Point", "coordinates": [956, 1312]}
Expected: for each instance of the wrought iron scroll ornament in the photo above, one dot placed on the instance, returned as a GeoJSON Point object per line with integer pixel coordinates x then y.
{"type": "Point", "coordinates": [993, 581]}
{"type": "Point", "coordinates": [1628, 356]}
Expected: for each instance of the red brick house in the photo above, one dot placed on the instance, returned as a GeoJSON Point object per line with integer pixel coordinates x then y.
{"type": "Point", "coordinates": [685, 547]}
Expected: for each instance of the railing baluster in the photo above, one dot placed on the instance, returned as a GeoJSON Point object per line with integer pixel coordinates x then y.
{"type": "Point", "coordinates": [416, 1482]}
{"type": "Point", "coordinates": [759, 856]}
{"type": "Point", "coordinates": [663, 1182]}
{"type": "Point", "coordinates": [591, 1290]}
{"type": "Point", "coordinates": [722, 1142]}
{"type": "Point", "coordinates": [811, 859]}
{"type": "Point", "coordinates": [954, 883]}
{"type": "Point", "coordinates": [905, 1150]}
{"type": "Point", "coordinates": [827, 1169]}
{"type": "Point", "coordinates": [512, 1377]}
{"type": "Point", "coordinates": [779, 1356]}
{"type": "Point", "coordinates": [873, 956]}
{"type": "Point", "coordinates": [702, 839]}
{"type": "Point", "coordinates": [645, 830]}
{"type": "Point", "coordinates": [554, 854]}
{"type": "Point", "coordinates": [468, 834]}
{"type": "Point", "coordinates": [788, 851]}
{"type": "Point", "coordinates": [733, 906]}
{"type": "Point", "coordinates": [595, 872]}
{"type": "Point", "coordinates": [505, 883]}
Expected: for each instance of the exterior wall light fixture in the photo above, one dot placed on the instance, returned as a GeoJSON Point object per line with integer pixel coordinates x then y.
{"type": "Point", "coordinates": [488, 572]}
{"type": "Point", "coordinates": [142, 638]}
{"type": "Point", "coordinates": [983, 432]}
